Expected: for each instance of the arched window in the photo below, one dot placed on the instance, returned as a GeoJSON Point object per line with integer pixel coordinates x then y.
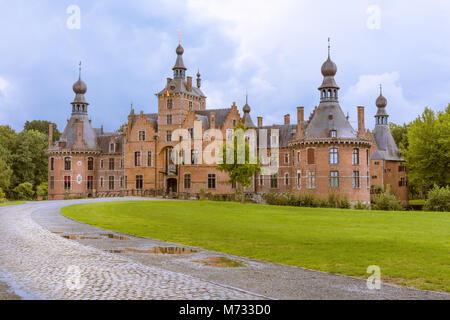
{"type": "Point", "coordinates": [67, 163]}
{"type": "Point", "coordinates": [90, 164]}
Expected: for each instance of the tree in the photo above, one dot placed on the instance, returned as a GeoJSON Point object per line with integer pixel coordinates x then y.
{"type": "Point", "coordinates": [428, 154]}
{"type": "Point", "coordinates": [24, 191]}
{"type": "Point", "coordinates": [240, 173]}
{"type": "Point", "coordinates": [400, 135]}
{"type": "Point", "coordinates": [8, 143]}
{"type": "Point", "coordinates": [5, 175]}
{"type": "Point", "coordinates": [42, 190]}
{"type": "Point", "coordinates": [42, 127]}
{"type": "Point", "coordinates": [30, 161]}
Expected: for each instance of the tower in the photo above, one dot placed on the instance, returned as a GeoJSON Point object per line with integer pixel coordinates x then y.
{"type": "Point", "coordinates": [79, 104]}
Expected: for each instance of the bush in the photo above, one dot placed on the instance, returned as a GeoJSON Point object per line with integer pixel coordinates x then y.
{"type": "Point", "coordinates": [359, 205]}
{"type": "Point", "coordinates": [438, 199]}
{"type": "Point", "coordinates": [386, 201]}
{"type": "Point", "coordinates": [345, 204]}
{"type": "Point", "coordinates": [42, 190]}
{"type": "Point", "coordinates": [24, 191]}
{"type": "Point", "coordinates": [2, 196]}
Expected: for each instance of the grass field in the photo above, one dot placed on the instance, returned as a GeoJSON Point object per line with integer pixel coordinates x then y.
{"type": "Point", "coordinates": [10, 204]}
{"type": "Point", "coordinates": [411, 248]}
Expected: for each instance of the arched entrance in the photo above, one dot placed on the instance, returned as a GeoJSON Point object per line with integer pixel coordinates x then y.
{"type": "Point", "coordinates": [172, 185]}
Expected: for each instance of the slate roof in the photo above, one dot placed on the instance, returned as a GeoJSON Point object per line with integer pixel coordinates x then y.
{"type": "Point", "coordinates": [205, 115]}
{"type": "Point", "coordinates": [182, 88]}
{"type": "Point", "coordinates": [104, 141]}
{"type": "Point", "coordinates": [70, 133]}
{"type": "Point", "coordinates": [386, 147]}
{"type": "Point", "coordinates": [287, 133]}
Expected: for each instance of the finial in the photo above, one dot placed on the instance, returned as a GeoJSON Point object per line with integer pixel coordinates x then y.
{"type": "Point", "coordinates": [246, 96]}
{"type": "Point", "coordinates": [79, 70]}
{"type": "Point", "coordinates": [381, 89]}
{"type": "Point", "coordinates": [329, 46]}
{"type": "Point", "coordinates": [179, 36]}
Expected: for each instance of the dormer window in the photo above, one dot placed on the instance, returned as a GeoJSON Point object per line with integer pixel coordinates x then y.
{"type": "Point", "coordinates": [141, 135]}
{"type": "Point", "coordinates": [112, 147]}
{"type": "Point", "coordinates": [333, 134]}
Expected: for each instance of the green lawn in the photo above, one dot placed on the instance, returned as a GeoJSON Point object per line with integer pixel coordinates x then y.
{"type": "Point", "coordinates": [10, 204]}
{"type": "Point", "coordinates": [411, 248]}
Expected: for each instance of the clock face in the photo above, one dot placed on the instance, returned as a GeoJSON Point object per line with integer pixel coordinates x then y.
{"type": "Point", "coordinates": [79, 163]}
{"type": "Point", "coordinates": [79, 179]}
{"type": "Point", "coordinates": [173, 86]}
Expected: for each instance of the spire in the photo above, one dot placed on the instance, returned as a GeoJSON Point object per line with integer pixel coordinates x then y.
{"type": "Point", "coordinates": [179, 70]}
{"type": "Point", "coordinates": [329, 89]}
{"type": "Point", "coordinates": [381, 116]}
{"type": "Point", "coordinates": [246, 108]}
{"type": "Point", "coordinates": [79, 104]}
{"type": "Point", "coordinates": [199, 80]}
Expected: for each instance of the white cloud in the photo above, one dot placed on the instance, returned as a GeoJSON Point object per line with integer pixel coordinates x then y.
{"type": "Point", "coordinates": [365, 92]}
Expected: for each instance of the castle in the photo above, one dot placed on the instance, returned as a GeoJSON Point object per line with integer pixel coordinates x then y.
{"type": "Point", "coordinates": [321, 155]}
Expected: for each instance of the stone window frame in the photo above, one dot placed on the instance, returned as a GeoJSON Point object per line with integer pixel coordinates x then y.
{"type": "Point", "coordinates": [112, 164]}
{"type": "Point", "coordinates": [286, 179]}
{"type": "Point", "coordinates": [142, 135]}
{"type": "Point", "coordinates": [368, 179]}
{"type": "Point", "coordinates": [102, 182]}
{"type": "Point", "coordinates": [356, 179]}
{"type": "Point", "coordinates": [65, 163]}
{"type": "Point", "coordinates": [212, 181]}
{"type": "Point", "coordinates": [149, 158]}
{"type": "Point", "coordinates": [334, 179]}
{"type": "Point", "coordinates": [311, 182]}
{"type": "Point", "coordinates": [287, 158]}
{"type": "Point", "coordinates": [169, 136]}
{"type": "Point", "coordinates": [336, 154]}
{"type": "Point", "coordinates": [274, 181]}
{"type": "Point", "coordinates": [169, 104]}
{"type": "Point", "coordinates": [113, 149]}
{"type": "Point", "coordinates": [187, 183]}
{"type": "Point", "coordinates": [102, 163]}
{"type": "Point", "coordinates": [356, 157]}
{"type": "Point", "coordinates": [137, 160]}
{"type": "Point", "coordinates": [169, 119]}
{"type": "Point", "coordinates": [70, 183]}
{"type": "Point", "coordinates": [299, 156]}
{"type": "Point", "coordinates": [261, 180]}
{"type": "Point", "coordinates": [52, 164]}
{"type": "Point", "coordinates": [88, 181]}
{"type": "Point", "coordinates": [140, 179]}
{"type": "Point", "coordinates": [111, 183]}
{"type": "Point", "coordinates": [90, 163]}
{"type": "Point", "coordinates": [308, 154]}
{"type": "Point", "coordinates": [299, 179]}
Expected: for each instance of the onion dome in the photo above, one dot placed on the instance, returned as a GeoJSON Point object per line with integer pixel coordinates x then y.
{"type": "Point", "coordinates": [381, 101]}
{"type": "Point", "coordinates": [329, 68]}
{"type": "Point", "coordinates": [79, 87]}
{"type": "Point", "coordinates": [180, 50]}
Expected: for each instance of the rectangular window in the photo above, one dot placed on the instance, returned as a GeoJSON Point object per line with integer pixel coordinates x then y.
{"type": "Point", "coordinates": [111, 164]}
{"type": "Point", "coordinates": [112, 148]}
{"type": "Point", "coordinates": [274, 181]}
{"type": "Point", "coordinates": [355, 157]}
{"type": "Point", "coordinates": [67, 164]}
{"type": "Point", "coordinates": [194, 156]}
{"type": "Point", "coordinates": [121, 182]}
{"type": "Point", "coordinates": [310, 179]}
{"type": "Point", "coordinates": [402, 182]}
{"type": "Point", "coordinates": [191, 132]}
{"type": "Point", "coordinates": [91, 164]}
{"type": "Point", "coordinates": [286, 179]}
{"type": "Point", "coordinates": [334, 156]}
{"type": "Point", "coordinates": [299, 180]}
{"type": "Point", "coordinates": [367, 157]}
{"type": "Point", "coordinates": [169, 119]}
{"type": "Point", "coordinates": [233, 185]}
{"type": "Point", "coordinates": [52, 164]}
{"type": "Point", "coordinates": [229, 134]}
{"type": "Point", "coordinates": [169, 104]}
{"type": "Point", "coordinates": [286, 158]}
{"type": "Point", "coordinates": [211, 181]}
{"type": "Point", "coordinates": [90, 182]}
{"type": "Point", "coordinates": [111, 183]}
{"type": "Point", "coordinates": [137, 159]}
{"type": "Point", "coordinates": [67, 183]}
{"type": "Point", "coordinates": [101, 164]}
{"type": "Point", "coordinates": [149, 159]}
{"type": "Point", "coordinates": [141, 135]}
{"type": "Point", "coordinates": [298, 157]}
{"type": "Point", "coordinates": [368, 180]}
{"type": "Point", "coordinates": [126, 182]}
{"type": "Point", "coordinates": [52, 183]}
{"type": "Point", "coordinates": [121, 163]}
{"type": "Point", "coordinates": [356, 179]}
{"type": "Point", "coordinates": [261, 180]}
{"type": "Point", "coordinates": [139, 182]}
{"type": "Point", "coordinates": [334, 179]}
{"type": "Point", "coordinates": [311, 156]}
{"type": "Point", "coordinates": [187, 181]}
{"type": "Point", "coordinates": [169, 136]}
{"type": "Point", "coordinates": [101, 182]}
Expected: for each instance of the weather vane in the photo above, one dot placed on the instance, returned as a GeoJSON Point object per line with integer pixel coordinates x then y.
{"type": "Point", "coordinates": [179, 35]}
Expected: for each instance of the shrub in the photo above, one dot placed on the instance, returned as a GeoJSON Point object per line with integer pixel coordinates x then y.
{"type": "Point", "coordinates": [2, 196]}
{"type": "Point", "coordinates": [345, 203]}
{"type": "Point", "coordinates": [359, 205]}
{"type": "Point", "coordinates": [438, 199]}
{"type": "Point", "coordinates": [24, 191]}
{"type": "Point", "coordinates": [333, 200]}
{"type": "Point", "coordinates": [386, 201]}
{"type": "Point", "coordinates": [42, 190]}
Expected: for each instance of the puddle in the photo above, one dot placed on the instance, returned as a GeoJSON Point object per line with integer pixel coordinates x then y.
{"type": "Point", "coordinates": [79, 237]}
{"type": "Point", "coordinates": [221, 262]}
{"type": "Point", "coordinates": [157, 250]}
{"type": "Point", "coordinates": [116, 237]}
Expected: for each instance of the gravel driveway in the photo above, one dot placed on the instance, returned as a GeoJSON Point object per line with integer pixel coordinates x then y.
{"type": "Point", "coordinates": [44, 255]}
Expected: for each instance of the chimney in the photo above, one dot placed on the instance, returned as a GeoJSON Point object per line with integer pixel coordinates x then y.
{"type": "Point", "coordinates": [50, 135]}
{"type": "Point", "coordinates": [260, 121]}
{"type": "Point", "coordinates": [189, 84]}
{"type": "Point", "coordinates": [300, 122]}
{"type": "Point", "coordinates": [212, 120]}
{"type": "Point", "coordinates": [101, 130]}
{"type": "Point", "coordinates": [361, 128]}
{"type": "Point", "coordinates": [79, 143]}
{"type": "Point", "coordinates": [287, 119]}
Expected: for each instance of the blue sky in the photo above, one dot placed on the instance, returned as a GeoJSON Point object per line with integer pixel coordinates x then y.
{"type": "Point", "coordinates": [273, 49]}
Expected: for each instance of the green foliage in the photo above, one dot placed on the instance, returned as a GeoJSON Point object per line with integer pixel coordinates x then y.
{"type": "Point", "coordinates": [42, 190]}
{"type": "Point", "coordinates": [306, 200]}
{"type": "Point", "coordinates": [386, 201]}
{"type": "Point", "coordinates": [24, 191]}
{"type": "Point", "coordinates": [5, 175]}
{"type": "Point", "coordinates": [400, 135]}
{"type": "Point", "coordinates": [241, 173]}
{"type": "Point", "coordinates": [428, 155]}
{"type": "Point", "coordinates": [42, 127]}
{"type": "Point", "coordinates": [2, 196]}
{"type": "Point", "coordinates": [30, 161]}
{"type": "Point", "coordinates": [359, 205]}
{"type": "Point", "coordinates": [438, 199]}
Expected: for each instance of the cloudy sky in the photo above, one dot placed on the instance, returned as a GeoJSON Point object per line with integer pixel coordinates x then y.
{"type": "Point", "coordinates": [273, 49]}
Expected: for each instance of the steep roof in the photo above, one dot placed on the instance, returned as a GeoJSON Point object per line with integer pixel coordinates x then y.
{"type": "Point", "coordinates": [386, 147]}
{"type": "Point", "coordinates": [205, 115]}
{"type": "Point", "coordinates": [70, 133]}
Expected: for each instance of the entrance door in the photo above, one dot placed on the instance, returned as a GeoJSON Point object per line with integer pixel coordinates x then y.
{"type": "Point", "coordinates": [172, 185]}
